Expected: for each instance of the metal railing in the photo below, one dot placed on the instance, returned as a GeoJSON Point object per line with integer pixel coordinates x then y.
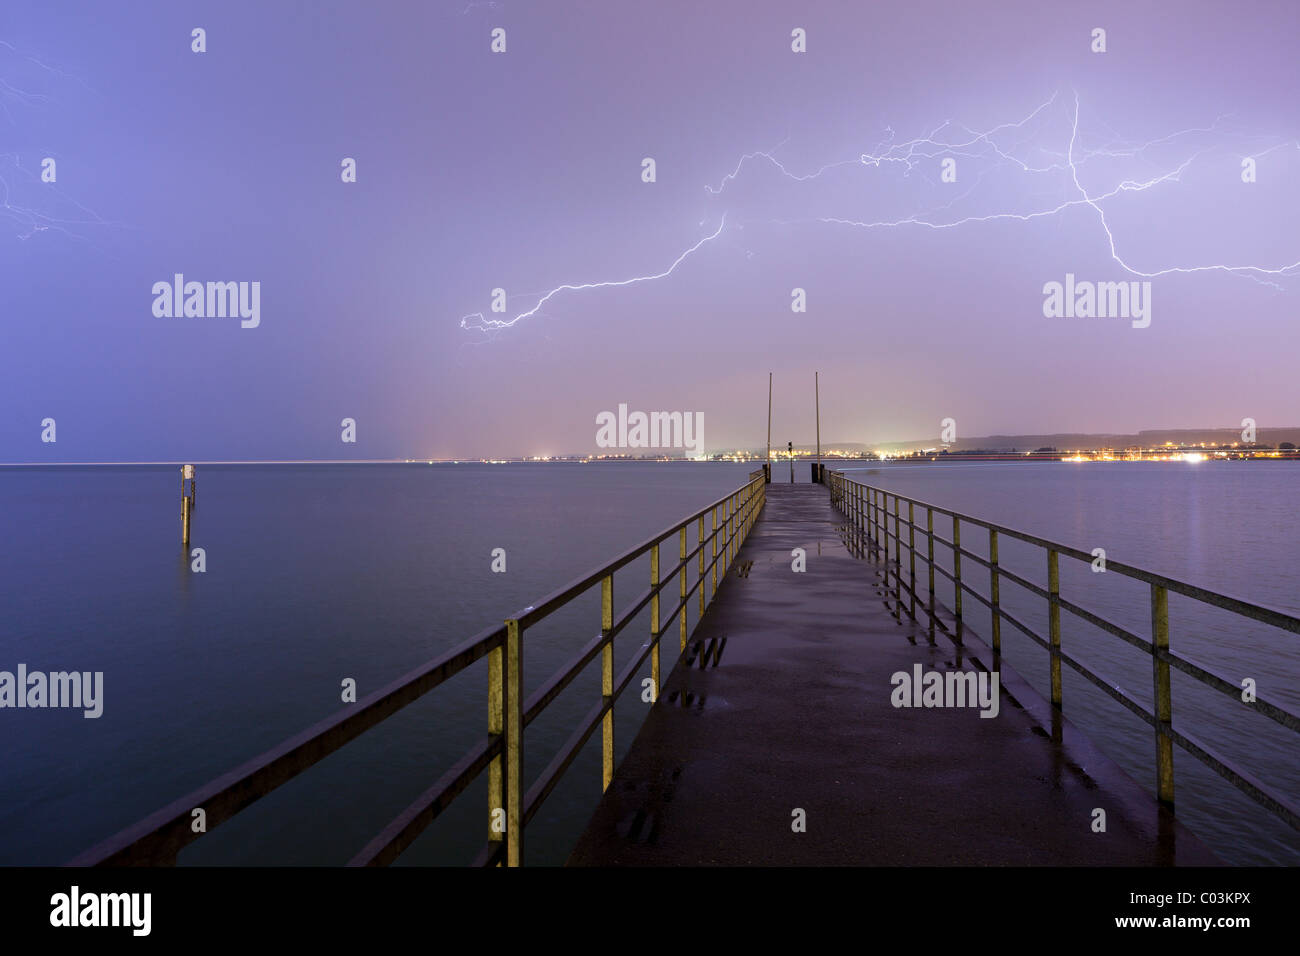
{"type": "Point", "coordinates": [868, 511]}
{"type": "Point", "coordinates": [157, 839]}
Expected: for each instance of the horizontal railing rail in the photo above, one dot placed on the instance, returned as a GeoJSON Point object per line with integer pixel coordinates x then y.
{"type": "Point", "coordinates": [868, 511]}
{"type": "Point", "coordinates": [157, 839]}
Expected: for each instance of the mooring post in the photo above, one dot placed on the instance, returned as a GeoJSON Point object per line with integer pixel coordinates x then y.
{"type": "Point", "coordinates": [187, 501]}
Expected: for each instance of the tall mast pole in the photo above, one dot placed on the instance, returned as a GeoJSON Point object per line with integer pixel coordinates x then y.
{"type": "Point", "coordinates": [769, 423]}
{"type": "Point", "coordinates": [817, 401]}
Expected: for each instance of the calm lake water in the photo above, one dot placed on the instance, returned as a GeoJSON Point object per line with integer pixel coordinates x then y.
{"type": "Point", "coordinates": [319, 573]}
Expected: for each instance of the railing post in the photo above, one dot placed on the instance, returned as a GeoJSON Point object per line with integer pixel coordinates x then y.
{"type": "Point", "coordinates": [882, 528]}
{"type": "Point", "coordinates": [1054, 621]}
{"type": "Point", "coordinates": [911, 557]}
{"type": "Point", "coordinates": [865, 520]}
{"type": "Point", "coordinates": [994, 592]}
{"type": "Point", "coordinates": [864, 499]}
{"type": "Point", "coordinates": [865, 495]}
{"type": "Point", "coordinates": [868, 538]}
{"type": "Point", "coordinates": [607, 680]}
{"type": "Point", "coordinates": [496, 729]}
{"type": "Point", "coordinates": [726, 535]}
{"type": "Point", "coordinates": [733, 527]}
{"type": "Point", "coordinates": [873, 517]}
{"type": "Point", "coordinates": [863, 536]}
{"type": "Point", "coordinates": [713, 538]}
{"type": "Point", "coordinates": [514, 770]}
{"type": "Point", "coordinates": [869, 518]}
{"type": "Point", "coordinates": [737, 525]}
{"type": "Point", "coordinates": [854, 511]}
{"type": "Point", "coordinates": [882, 540]}
{"type": "Point", "coordinates": [929, 549]}
{"type": "Point", "coordinates": [699, 549]}
{"type": "Point", "coordinates": [681, 556]}
{"type": "Point", "coordinates": [956, 572]}
{"type": "Point", "coordinates": [898, 561]}
{"type": "Point", "coordinates": [1164, 707]}
{"type": "Point", "coordinates": [654, 621]}
{"type": "Point", "coordinates": [731, 536]}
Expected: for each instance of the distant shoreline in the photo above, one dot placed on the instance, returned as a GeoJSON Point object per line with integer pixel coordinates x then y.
{"type": "Point", "coordinates": [1245, 455]}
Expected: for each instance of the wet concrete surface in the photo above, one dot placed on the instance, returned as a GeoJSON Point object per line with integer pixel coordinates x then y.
{"type": "Point", "coordinates": [793, 713]}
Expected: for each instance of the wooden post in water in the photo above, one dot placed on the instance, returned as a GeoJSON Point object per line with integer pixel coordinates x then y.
{"type": "Point", "coordinates": [187, 501]}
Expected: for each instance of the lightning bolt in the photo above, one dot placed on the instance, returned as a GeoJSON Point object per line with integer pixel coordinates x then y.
{"type": "Point", "coordinates": [957, 140]}
{"type": "Point", "coordinates": [477, 321]}
{"type": "Point", "coordinates": [55, 211]}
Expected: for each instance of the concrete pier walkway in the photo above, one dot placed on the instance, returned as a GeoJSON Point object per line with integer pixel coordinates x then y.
{"type": "Point", "coordinates": [782, 704]}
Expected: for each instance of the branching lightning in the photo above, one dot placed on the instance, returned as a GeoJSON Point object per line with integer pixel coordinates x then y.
{"type": "Point", "coordinates": [477, 321]}
{"type": "Point", "coordinates": [49, 209]}
{"type": "Point", "coordinates": [1003, 146]}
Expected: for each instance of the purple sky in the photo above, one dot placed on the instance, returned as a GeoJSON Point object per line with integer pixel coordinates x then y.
{"type": "Point", "coordinates": [522, 170]}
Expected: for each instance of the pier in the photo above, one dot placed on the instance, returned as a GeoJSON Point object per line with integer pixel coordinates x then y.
{"type": "Point", "coordinates": [783, 615]}
{"type": "Point", "coordinates": [796, 716]}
